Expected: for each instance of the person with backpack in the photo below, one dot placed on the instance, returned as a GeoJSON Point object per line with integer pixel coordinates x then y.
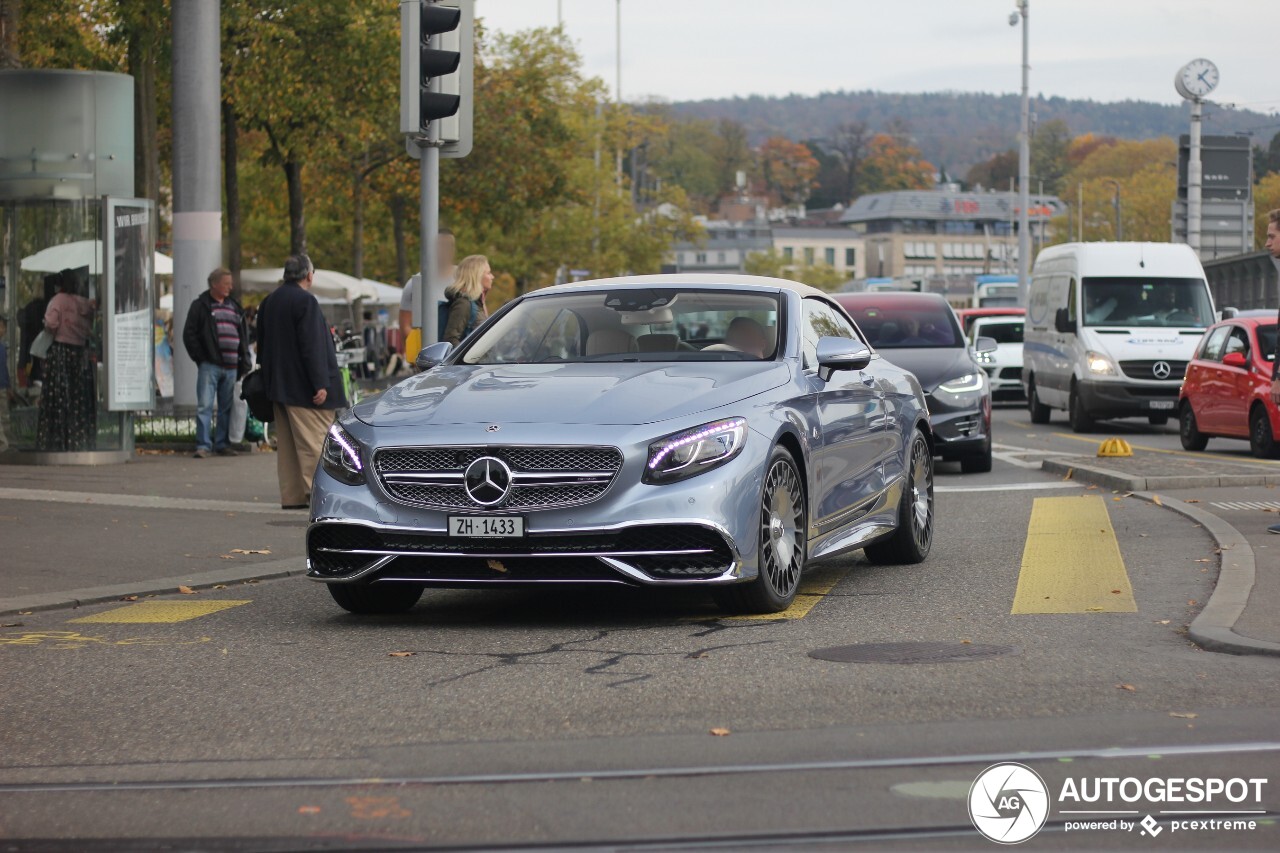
{"type": "Point", "coordinates": [464, 307]}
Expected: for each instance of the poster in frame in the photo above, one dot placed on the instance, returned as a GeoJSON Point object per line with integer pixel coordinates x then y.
{"type": "Point", "coordinates": [129, 273]}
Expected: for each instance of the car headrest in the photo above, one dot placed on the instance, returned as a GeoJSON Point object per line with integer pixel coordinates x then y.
{"type": "Point", "coordinates": [658, 343]}
{"type": "Point", "coordinates": [604, 341]}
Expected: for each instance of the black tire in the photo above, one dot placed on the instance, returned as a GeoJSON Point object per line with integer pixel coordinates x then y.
{"type": "Point", "coordinates": [1079, 419]}
{"type": "Point", "coordinates": [1261, 440]}
{"type": "Point", "coordinates": [1039, 411]}
{"type": "Point", "coordinates": [783, 546]}
{"type": "Point", "coordinates": [373, 598]}
{"type": "Point", "coordinates": [911, 542]}
{"type": "Point", "coordinates": [1189, 430]}
{"type": "Point", "coordinates": [979, 463]}
{"type": "Point", "coordinates": [1157, 420]}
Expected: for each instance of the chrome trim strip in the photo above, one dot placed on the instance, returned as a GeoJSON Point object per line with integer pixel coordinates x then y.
{"type": "Point", "coordinates": [498, 581]}
{"type": "Point", "coordinates": [572, 478]}
{"type": "Point", "coordinates": [510, 554]}
{"type": "Point", "coordinates": [728, 576]}
{"type": "Point", "coordinates": [448, 477]}
{"type": "Point", "coordinates": [369, 569]}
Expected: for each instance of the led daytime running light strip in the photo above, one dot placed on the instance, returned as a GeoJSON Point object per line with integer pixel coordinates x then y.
{"type": "Point", "coordinates": [723, 426]}
{"type": "Point", "coordinates": [336, 433]}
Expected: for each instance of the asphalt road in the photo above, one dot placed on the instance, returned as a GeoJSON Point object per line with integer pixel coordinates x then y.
{"type": "Point", "coordinates": [276, 721]}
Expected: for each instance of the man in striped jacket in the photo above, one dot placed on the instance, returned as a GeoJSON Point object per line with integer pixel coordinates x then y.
{"type": "Point", "coordinates": [217, 340]}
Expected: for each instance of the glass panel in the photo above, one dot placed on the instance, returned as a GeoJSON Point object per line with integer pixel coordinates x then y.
{"type": "Point", "coordinates": [1145, 302]}
{"type": "Point", "coordinates": [1267, 342]}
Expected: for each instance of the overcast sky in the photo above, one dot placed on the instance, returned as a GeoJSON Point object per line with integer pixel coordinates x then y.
{"type": "Point", "coordinates": [1107, 50]}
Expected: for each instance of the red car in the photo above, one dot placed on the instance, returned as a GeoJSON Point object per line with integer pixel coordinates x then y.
{"type": "Point", "coordinates": [966, 316]}
{"type": "Point", "coordinates": [1227, 389]}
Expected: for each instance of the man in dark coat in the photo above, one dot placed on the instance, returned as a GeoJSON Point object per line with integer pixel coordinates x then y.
{"type": "Point", "coordinates": [217, 340]}
{"type": "Point", "coordinates": [300, 371]}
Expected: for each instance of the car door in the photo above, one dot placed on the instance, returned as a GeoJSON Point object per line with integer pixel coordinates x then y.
{"type": "Point", "coordinates": [850, 407]}
{"type": "Point", "coordinates": [1237, 385]}
{"type": "Point", "coordinates": [1208, 384]}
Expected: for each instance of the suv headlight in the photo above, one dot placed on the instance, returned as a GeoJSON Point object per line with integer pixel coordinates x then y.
{"type": "Point", "coordinates": [962, 384]}
{"type": "Point", "coordinates": [962, 392]}
{"type": "Point", "coordinates": [1100, 364]}
{"type": "Point", "coordinates": [692, 451]}
{"type": "Point", "coordinates": [340, 457]}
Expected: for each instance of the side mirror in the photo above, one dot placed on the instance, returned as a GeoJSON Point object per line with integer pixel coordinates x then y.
{"type": "Point", "coordinates": [1236, 359]}
{"type": "Point", "coordinates": [985, 344]}
{"type": "Point", "coordinates": [430, 356]}
{"type": "Point", "coordinates": [1062, 322]}
{"type": "Point", "coordinates": [1228, 313]}
{"type": "Point", "coordinates": [841, 354]}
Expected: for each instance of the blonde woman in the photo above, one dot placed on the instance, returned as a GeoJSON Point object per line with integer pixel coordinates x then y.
{"type": "Point", "coordinates": [466, 298]}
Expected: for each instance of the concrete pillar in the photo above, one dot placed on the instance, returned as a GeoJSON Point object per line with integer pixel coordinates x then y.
{"type": "Point", "coordinates": [197, 198]}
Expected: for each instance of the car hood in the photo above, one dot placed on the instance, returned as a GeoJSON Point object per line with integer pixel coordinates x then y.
{"type": "Point", "coordinates": [593, 393]}
{"type": "Point", "coordinates": [932, 365]}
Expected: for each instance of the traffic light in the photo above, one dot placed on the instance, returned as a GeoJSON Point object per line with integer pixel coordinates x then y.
{"type": "Point", "coordinates": [435, 82]}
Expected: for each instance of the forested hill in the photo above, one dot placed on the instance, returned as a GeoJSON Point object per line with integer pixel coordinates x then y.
{"type": "Point", "coordinates": [958, 129]}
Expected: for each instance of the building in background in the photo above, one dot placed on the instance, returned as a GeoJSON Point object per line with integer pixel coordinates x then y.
{"type": "Point", "coordinates": [838, 247]}
{"type": "Point", "coordinates": [934, 233]}
{"type": "Point", "coordinates": [724, 250]}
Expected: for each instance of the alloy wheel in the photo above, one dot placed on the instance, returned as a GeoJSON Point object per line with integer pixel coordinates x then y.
{"type": "Point", "coordinates": [782, 528]}
{"type": "Point", "coordinates": [921, 494]}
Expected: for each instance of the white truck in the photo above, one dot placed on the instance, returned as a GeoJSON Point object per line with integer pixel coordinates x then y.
{"type": "Point", "coordinates": [1110, 329]}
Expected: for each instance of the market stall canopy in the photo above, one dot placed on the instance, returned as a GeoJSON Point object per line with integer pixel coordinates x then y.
{"type": "Point", "coordinates": [328, 284]}
{"type": "Point", "coordinates": [81, 253]}
{"type": "Point", "coordinates": [166, 301]}
{"type": "Point", "coordinates": [388, 294]}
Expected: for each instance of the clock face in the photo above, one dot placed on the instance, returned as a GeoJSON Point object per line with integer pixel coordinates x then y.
{"type": "Point", "coordinates": [1197, 78]}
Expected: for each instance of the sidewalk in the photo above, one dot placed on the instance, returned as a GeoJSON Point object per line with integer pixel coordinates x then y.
{"type": "Point", "coordinates": [1235, 500]}
{"type": "Point", "coordinates": [78, 534]}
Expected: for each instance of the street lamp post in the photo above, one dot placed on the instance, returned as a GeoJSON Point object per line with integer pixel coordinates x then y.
{"type": "Point", "coordinates": [1024, 153]}
{"type": "Point", "coordinates": [1115, 203]}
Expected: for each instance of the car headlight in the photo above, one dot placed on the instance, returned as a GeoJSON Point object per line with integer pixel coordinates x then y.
{"type": "Point", "coordinates": [340, 457]}
{"type": "Point", "coordinates": [692, 451]}
{"type": "Point", "coordinates": [962, 384]}
{"type": "Point", "coordinates": [1100, 364]}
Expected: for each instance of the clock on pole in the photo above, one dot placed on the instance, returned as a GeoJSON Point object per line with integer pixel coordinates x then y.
{"type": "Point", "coordinates": [1194, 81]}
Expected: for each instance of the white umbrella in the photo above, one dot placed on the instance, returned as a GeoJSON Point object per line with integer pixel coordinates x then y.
{"type": "Point", "coordinates": [328, 283]}
{"type": "Point", "coordinates": [388, 294]}
{"type": "Point", "coordinates": [81, 253]}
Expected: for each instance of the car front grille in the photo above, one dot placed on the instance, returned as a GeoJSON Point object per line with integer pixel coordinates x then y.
{"type": "Point", "coordinates": [664, 551]}
{"type": "Point", "coordinates": [1145, 369]}
{"type": "Point", "coordinates": [542, 477]}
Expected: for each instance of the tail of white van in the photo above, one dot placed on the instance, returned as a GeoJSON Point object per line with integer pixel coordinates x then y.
{"type": "Point", "coordinates": [1110, 329]}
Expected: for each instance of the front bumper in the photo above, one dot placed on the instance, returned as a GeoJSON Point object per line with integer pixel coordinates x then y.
{"type": "Point", "coordinates": [703, 530]}
{"type": "Point", "coordinates": [1129, 399]}
{"type": "Point", "coordinates": [641, 553]}
{"type": "Point", "coordinates": [1006, 381]}
{"type": "Point", "coordinates": [960, 433]}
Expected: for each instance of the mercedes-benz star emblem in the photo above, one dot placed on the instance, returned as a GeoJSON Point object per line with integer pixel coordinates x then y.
{"type": "Point", "coordinates": [488, 480]}
{"type": "Point", "coordinates": [1161, 370]}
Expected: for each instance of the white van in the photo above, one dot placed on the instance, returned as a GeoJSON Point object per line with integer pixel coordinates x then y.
{"type": "Point", "coordinates": [1110, 329]}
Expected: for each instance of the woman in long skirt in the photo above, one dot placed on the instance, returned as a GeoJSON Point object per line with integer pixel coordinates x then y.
{"type": "Point", "coordinates": [68, 418]}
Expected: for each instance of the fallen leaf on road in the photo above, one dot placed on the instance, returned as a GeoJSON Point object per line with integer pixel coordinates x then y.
{"type": "Point", "coordinates": [130, 598]}
{"type": "Point", "coordinates": [1191, 501]}
{"type": "Point", "coordinates": [719, 732]}
{"type": "Point", "coordinates": [1204, 561]}
{"type": "Point", "coordinates": [1094, 486]}
{"type": "Point", "coordinates": [249, 551]}
{"type": "Point", "coordinates": [1128, 687]}
{"type": "Point", "coordinates": [12, 625]}
{"type": "Point", "coordinates": [1192, 602]}
{"type": "Point", "coordinates": [1115, 592]}
{"type": "Point", "coordinates": [1183, 716]}
{"type": "Point", "coordinates": [1164, 621]}
{"type": "Point", "coordinates": [697, 655]}
{"type": "Point", "coordinates": [1143, 535]}
{"type": "Point", "coordinates": [401, 654]}
{"type": "Point", "coordinates": [1155, 499]}
{"type": "Point", "coordinates": [1093, 610]}
{"type": "Point", "coordinates": [186, 590]}
{"type": "Point", "coordinates": [220, 586]}
{"type": "Point", "coordinates": [226, 556]}
{"type": "Point", "coordinates": [1070, 473]}
{"type": "Point", "coordinates": [24, 612]}
{"type": "Point", "coordinates": [1117, 499]}
{"type": "Point", "coordinates": [308, 810]}
{"type": "Point", "coordinates": [966, 642]}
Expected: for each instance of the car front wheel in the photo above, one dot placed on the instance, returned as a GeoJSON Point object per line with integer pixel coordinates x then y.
{"type": "Point", "coordinates": [911, 542]}
{"type": "Point", "coordinates": [783, 543]}
{"type": "Point", "coordinates": [373, 598]}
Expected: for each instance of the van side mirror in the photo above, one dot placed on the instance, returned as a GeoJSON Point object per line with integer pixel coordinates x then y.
{"type": "Point", "coordinates": [430, 356]}
{"type": "Point", "coordinates": [1228, 313]}
{"type": "Point", "coordinates": [1062, 322]}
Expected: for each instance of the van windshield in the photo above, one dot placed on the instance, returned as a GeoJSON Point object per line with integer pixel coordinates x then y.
{"type": "Point", "coordinates": [1131, 301]}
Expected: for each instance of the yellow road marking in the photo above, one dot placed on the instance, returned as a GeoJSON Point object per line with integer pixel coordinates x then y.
{"type": "Point", "coordinates": [813, 587]}
{"type": "Point", "coordinates": [161, 611]}
{"type": "Point", "coordinates": [1199, 454]}
{"type": "Point", "coordinates": [1071, 562]}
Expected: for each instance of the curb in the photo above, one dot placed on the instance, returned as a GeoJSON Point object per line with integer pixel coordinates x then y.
{"type": "Point", "coordinates": [74, 598]}
{"type": "Point", "coordinates": [1214, 628]}
{"type": "Point", "coordinates": [1110, 479]}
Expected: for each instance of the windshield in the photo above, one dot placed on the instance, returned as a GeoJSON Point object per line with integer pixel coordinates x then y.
{"type": "Point", "coordinates": [924, 324]}
{"type": "Point", "coordinates": [1181, 302]}
{"type": "Point", "coordinates": [1267, 341]}
{"type": "Point", "coordinates": [652, 324]}
{"type": "Point", "coordinates": [1003, 332]}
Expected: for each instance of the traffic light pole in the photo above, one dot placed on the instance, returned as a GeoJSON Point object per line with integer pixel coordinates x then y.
{"type": "Point", "coordinates": [429, 199]}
